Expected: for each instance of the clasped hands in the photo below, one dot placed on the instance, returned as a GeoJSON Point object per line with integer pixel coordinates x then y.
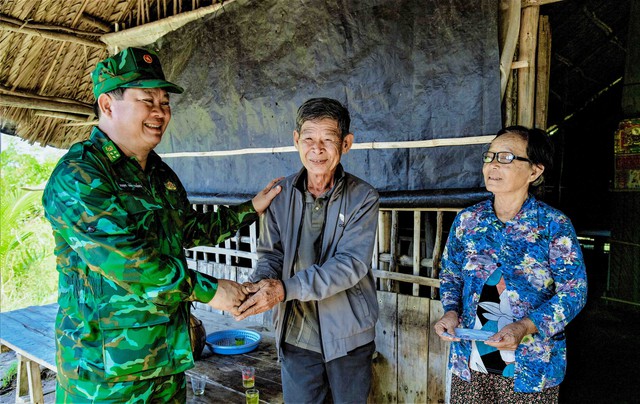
{"type": "Point", "coordinates": [247, 299]}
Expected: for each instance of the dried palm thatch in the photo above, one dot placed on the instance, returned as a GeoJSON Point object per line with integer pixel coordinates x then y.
{"type": "Point", "coordinates": [48, 49]}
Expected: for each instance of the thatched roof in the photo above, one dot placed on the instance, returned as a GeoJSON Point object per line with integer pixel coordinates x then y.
{"type": "Point", "coordinates": [48, 49]}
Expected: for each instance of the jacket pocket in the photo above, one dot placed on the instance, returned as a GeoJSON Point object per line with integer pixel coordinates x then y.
{"type": "Point", "coordinates": [134, 340]}
{"type": "Point", "coordinates": [358, 301]}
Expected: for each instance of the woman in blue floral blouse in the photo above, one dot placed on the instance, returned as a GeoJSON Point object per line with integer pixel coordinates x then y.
{"type": "Point", "coordinates": [512, 270]}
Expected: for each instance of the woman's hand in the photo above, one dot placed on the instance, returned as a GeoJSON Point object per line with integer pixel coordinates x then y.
{"type": "Point", "coordinates": [448, 324]}
{"type": "Point", "coordinates": [510, 336]}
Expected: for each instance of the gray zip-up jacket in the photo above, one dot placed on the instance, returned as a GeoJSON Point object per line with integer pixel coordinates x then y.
{"type": "Point", "coordinates": [341, 282]}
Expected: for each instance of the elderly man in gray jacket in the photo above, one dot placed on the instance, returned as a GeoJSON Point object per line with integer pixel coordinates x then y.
{"type": "Point", "coordinates": [314, 266]}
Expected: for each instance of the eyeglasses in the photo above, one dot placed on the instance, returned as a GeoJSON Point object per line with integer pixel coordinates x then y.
{"type": "Point", "coordinates": [503, 157]}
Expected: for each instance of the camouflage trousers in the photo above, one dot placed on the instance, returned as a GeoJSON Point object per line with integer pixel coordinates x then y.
{"type": "Point", "coordinates": [166, 389]}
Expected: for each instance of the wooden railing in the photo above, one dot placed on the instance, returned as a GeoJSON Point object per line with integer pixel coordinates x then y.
{"type": "Point", "coordinates": [410, 362]}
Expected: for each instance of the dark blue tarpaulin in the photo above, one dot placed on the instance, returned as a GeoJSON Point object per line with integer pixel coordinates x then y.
{"type": "Point", "coordinates": [407, 70]}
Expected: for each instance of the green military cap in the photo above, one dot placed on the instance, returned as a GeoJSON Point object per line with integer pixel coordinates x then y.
{"type": "Point", "coordinates": [132, 67]}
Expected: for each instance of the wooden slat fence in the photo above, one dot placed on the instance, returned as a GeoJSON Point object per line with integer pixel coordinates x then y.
{"type": "Point", "coordinates": [411, 361]}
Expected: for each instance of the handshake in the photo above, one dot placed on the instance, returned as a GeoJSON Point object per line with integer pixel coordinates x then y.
{"type": "Point", "coordinates": [247, 299]}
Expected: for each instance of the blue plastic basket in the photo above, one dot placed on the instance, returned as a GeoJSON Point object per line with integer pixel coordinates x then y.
{"type": "Point", "coordinates": [233, 342]}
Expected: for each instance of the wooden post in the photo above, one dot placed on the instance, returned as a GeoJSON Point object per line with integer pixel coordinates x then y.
{"type": "Point", "coordinates": [416, 249]}
{"type": "Point", "coordinates": [527, 76]}
{"type": "Point", "coordinates": [393, 251]}
{"type": "Point", "coordinates": [253, 244]}
{"type": "Point", "coordinates": [413, 349]}
{"type": "Point", "coordinates": [29, 380]}
{"type": "Point", "coordinates": [543, 71]}
{"type": "Point", "coordinates": [384, 241]}
{"type": "Point", "coordinates": [437, 250]}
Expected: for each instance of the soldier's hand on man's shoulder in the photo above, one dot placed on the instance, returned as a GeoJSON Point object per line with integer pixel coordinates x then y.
{"type": "Point", "coordinates": [263, 199]}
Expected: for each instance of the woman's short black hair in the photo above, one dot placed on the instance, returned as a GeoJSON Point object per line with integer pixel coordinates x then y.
{"type": "Point", "coordinates": [318, 108]}
{"type": "Point", "coordinates": [539, 146]}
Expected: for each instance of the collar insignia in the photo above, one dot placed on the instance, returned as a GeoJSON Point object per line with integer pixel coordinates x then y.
{"type": "Point", "coordinates": [111, 151]}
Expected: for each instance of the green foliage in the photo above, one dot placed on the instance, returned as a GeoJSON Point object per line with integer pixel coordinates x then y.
{"type": "Point", "coordinates": [27, 262]}
{"type": "Point", "coordinates": [9, 375]}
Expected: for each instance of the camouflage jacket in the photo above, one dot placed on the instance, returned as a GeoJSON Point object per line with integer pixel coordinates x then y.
{"type": "Point", "coordinates": [124, 284]}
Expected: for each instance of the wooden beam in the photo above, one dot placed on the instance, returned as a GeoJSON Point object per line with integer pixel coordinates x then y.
{"type": "Point", "coordinates": [148, 33]}
{"type": "Point", "coordinates": [527, 76]}
{"type": "Point", "coordinates": [8, 100]}
{"type": "Point", "coordinates": [56, 36]}
{"type": "Point", "coordinates": [396, 276]}
{"type": "Point", "coordinates": [543, 72]}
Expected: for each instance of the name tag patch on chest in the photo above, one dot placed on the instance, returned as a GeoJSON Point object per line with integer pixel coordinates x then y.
{"type": "Point", "coordinates": [127, 186]}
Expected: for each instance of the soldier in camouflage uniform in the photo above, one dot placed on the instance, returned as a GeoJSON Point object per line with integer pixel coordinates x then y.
{"type": "Point", "coordinates": [121, 219]}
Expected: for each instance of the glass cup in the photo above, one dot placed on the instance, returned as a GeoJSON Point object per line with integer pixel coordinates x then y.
{"type": "Point", "coordinates": [198, 383]}
{"type": "Point", "coordinates": [248, 377]}
{"type": "Point", "coordinates": [252, 396]}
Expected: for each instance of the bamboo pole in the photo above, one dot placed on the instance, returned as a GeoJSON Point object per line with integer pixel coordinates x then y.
{"type": "Point", "coordinates": [148, 33]}
{"type": "Point", "coordinates": [8, 100]}
{"type": "Point", "coordinates": [412, 144]}
{"type": "Point", "coordinates": [79, 13]}
{"type": "Point", "coordinates": [56, 36]}
{"type": "Point", "coordinates": [95, 22]}
{"type": "Point", "coordinates": [47, 77]}
{"type": "Point", "coordinates": [537, 3]}
{"type": "Point", "coordinates": [61, 115]}
{"type": "Point", "coordinates": [543, 71]}
{"type": "Point", "coordinates": [46, 27]}
{"type": "Point", "coordinates": [527, 76]}
{"type": "Point", "coordinates": [510, 101]}
{"type": "Point", "coordinates": [510, 27]}
{"type": "Point", "coordinates": [27, 94]}
{"type": "Point", "coordinates": [87, 123]}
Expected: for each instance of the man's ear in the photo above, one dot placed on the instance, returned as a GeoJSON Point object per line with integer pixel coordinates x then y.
{"type": "Point", "coordinates": [347, 142]}
{"type": "Point", "coordinates": [104, 104]}
{"type": "Point", "coordinates": [296, 138]}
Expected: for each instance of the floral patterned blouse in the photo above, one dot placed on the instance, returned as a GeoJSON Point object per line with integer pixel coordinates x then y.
{"type": "Point", "coordinates": [540, 259]}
